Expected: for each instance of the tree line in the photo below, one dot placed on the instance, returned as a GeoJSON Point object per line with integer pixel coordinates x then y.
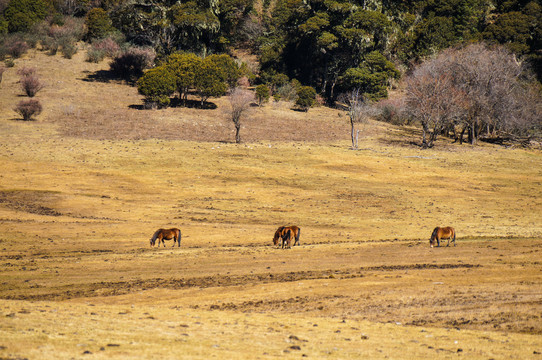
{"type": "Point", "coordinates": [347, 52]}
{"type": "Point", "coordinates": [334, 45]}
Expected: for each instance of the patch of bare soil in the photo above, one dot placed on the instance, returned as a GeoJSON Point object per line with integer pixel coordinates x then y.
{"type": "Point", "coordinates": [207, 125]}
{"type": "Point", "coordinates": [28, 201]}
{"type": "Point", "coordinates": [125, 287]}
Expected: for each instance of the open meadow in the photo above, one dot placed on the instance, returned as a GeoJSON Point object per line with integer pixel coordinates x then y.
{"type": "Point", "coordinates": [83, 188]}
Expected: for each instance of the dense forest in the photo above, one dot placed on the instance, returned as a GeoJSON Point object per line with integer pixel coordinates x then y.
{"type": "Point", "coordinates": [333, 46]}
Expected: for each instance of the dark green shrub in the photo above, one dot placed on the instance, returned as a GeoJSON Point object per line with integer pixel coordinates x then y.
{"type": "Point", "coordinates": [22, 14]}
{"type": "Point", "coordinates": [98, 24]}
{"type": "Point", "coordinates": [228, 67]}
{"type": "Point", "coordinates": [4, 24]}
{"type": "Point", "coordinates": [209, 81]}
{"type": "Point", "coordinates": [262, 94]}
{"type": "Point", "coordinates": [157, 85]}
{"type": "Point", "coordinates": [183, 66]}
{"type": "Point", "coordinates": [306, 96]}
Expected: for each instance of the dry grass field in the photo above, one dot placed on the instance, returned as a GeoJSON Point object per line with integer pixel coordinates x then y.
{"type": "Point", "coordinates": [83, 188]}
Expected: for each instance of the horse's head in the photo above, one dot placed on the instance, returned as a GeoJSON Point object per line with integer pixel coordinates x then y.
{"type": "Point", "coordinates": [278, 234]}
{"type": "Point", "coordinates": [276, 238]}
{"type": "Point", "coordinates": [152, 241]}
{"type": "Point", "coordinates": [433, 238]}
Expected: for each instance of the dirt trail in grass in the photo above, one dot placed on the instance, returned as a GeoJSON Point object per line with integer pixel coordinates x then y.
{"type": "Point", "coordinates": [479, 284]}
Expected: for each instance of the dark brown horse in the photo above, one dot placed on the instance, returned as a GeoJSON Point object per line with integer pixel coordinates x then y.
{"type": "Point", "coordinates": [286, 234]}
{"type": "Point", "coordinates": [442, 233]}
{"type": "Point", "coordinates": [166, 234]}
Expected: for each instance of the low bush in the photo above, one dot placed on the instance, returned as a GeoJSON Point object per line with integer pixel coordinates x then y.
{"type": "Point", "coordinates": [157, 85]}
{"type": "Point", "coordinates": [26, 71]}
{"type": "Point", "coordinates": [69, 49]}
{"type": "Point", "coordinates": [131, 63]}
{"type": "Point", "coordinates": [100, 49]}
{"type": "Point", "coordinates": [15, 47]}
{"type": "Point", "coordinates": [30, 82]}
{"type": "Point", "coordinates": [392, 111]}
{"type": "Point", "coordinates": [262, 94]}
{"type": "Point", "coordinates": [28, 108]}
{"type": "Point", "coordinates": [63, 37]}
{"type": "Point", "coordinates": [306, 97]}
{"type": "Point", "coordinates": [286, 92]}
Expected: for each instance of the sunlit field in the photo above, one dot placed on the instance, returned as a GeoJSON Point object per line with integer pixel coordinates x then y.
{"type": "Point", "coordinates": [84, 187]}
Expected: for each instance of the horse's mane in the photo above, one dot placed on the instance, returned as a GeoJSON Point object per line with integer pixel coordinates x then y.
{"type": "Point", "coordinates": [156, 234]}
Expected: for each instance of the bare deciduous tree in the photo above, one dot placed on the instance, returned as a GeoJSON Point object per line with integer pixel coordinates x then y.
{"type": "Point", "coordinates": [359, 110]}
{"type": "Point", "coordinates": [477, 88]}
{"type": "Point", "coordinates": [433, 99]}
{"type": "Point", "coordinates": [2, 70]}
{"type": "Point", "coordinates": [240, 100]}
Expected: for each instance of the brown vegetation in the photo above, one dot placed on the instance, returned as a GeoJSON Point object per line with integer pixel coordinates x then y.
{"type": "Point", "coordinates": [28, 108]}
{"type": "Point", "coordinates": [475, 89]}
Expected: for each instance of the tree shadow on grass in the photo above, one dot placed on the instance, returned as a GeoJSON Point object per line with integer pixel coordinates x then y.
{"type": "Point", "coordinates": [176, 103]}
{"type": "Point", "coordinates": [107, 76]}
{"type": "Point", "coordinates": [192, 104]}
{"type": "Point", "coordinates": [406, 136]}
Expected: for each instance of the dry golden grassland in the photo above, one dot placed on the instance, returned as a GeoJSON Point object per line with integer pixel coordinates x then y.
{"type": "Point", "coordinates": [83, 188]}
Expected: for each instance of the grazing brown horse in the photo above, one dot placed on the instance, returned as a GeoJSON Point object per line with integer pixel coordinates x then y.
{"type": "Point", "coordinates": [286, 233]}
{"type": "Point", "coordinates": [442, 233]}
{"type": "Point", "coordinates": [166, 234]}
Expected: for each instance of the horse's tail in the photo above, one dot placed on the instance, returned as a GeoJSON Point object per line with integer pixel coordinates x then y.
{"type": "Point", "coordinates": [297, 236]}
{"type": "Point", "coordinates": [453, 230]}
{"type": "Point", "coordinates": [179, 238]}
